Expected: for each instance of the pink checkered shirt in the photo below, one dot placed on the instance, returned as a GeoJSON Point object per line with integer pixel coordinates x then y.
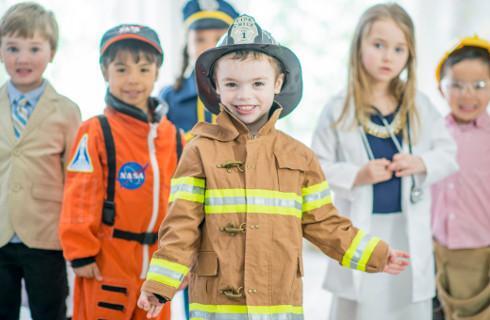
{"type": "Point", "coordinates": [461, 202]}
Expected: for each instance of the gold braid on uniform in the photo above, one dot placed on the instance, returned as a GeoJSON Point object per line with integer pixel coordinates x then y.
{"type": "Point", "coordinates": [379, 130]}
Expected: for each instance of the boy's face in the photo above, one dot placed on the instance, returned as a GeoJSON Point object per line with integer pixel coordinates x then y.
{"type": "Point", "coordinates": [247, 88]}
{"type": "Point", "coordinates": [384, 51]}
{"type": "Point", "coordinates": [199, 41]}
{"type": "Point", "coordinates": [465, 87]}
{"type": "Point", "coordinates": [25, 60]}
{"type": "Point", "coordinates": [130, 81]}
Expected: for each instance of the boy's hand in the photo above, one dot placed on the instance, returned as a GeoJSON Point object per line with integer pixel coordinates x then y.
{"type": "Point", "coordinates": [397, 261]}
{"type": "Point", "coordinates": [148, 302]}
{"type": "Point", "coordinates": [404, 164]}
{"type": "Point", "coordinates": [373, 172]}
{"type": "Point", "coordinates": [89, 271]}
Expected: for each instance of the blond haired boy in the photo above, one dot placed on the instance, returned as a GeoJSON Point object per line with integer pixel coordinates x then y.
{"type": "Point", "coordinates": [37, 127]}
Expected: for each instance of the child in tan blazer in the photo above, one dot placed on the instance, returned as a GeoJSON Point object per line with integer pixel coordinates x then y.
{"type": "Point", "coordinates": [37, 126]}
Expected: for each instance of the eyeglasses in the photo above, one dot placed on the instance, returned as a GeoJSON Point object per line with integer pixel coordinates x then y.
{"type": "Point", "coordinates": [460, 87]}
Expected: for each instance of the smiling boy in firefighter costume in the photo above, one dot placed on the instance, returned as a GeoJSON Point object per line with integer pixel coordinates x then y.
{"type": "Point", "coordinates": [245, 194]}
{"type": "Point", "coordinates": [117, 184]}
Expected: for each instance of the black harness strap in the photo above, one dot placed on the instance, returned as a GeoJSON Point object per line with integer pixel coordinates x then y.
{"type": "Point", "coordinates": [143, 237]}
{"type": "Point", "coordinates": [109, 210]}
{"type": "Point", "coordinates": [178, 139]}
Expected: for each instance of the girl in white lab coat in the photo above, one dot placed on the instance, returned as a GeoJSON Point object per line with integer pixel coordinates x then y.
{"type": "Point", "coordinates": [381, 144]}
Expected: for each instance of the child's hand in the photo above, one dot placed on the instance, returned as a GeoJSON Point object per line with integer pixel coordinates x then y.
{"type": "Point", "coordinates": [397, 261]}
{"type": "Point", "coordinates": [404, 164]}
{"type": "Point", "coordinates": [373, 172]}
{"type": "Point", "coordinates": [148, 302]}
{"type": "Point", "coordinates": [89, 271]}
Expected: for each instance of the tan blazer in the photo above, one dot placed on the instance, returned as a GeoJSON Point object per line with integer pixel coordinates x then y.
{"type": "Point", "coordinates": [32, 169]}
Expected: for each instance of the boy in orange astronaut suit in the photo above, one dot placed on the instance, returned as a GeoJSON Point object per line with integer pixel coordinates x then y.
{"type": "Point", "coordinates": [118, 181]}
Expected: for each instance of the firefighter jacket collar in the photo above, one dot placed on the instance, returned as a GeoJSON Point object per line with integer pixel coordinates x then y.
{"type": "Point", "coordinates": [132, 111]}
{"type": "Point", "coordinates": [228, 127]}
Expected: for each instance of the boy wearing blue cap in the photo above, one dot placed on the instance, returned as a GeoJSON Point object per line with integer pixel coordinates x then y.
{"type": "Point", "coordinates": [117, 183]}
{"type": "Point", "coordinates": [245, 194]}
{"type": "Point", "coordinates": [205, 22]}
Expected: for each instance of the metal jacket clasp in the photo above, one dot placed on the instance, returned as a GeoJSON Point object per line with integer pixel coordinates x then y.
{"type": "Point", "coordinates": [233, 230]}
{"type": "Point", "coordinates": [233, 293]}
{"type": "Point", "coordinates": [228, 165]}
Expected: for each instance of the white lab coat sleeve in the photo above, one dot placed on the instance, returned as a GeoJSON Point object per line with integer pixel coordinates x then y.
{"type": "Point", "coordinates": [440, 160]}
{"type": "Point", "coordinates": [339, 172]}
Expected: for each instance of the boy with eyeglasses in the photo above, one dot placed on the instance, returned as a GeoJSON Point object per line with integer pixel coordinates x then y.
{"type": "Point", "coordinates": [461, 202]}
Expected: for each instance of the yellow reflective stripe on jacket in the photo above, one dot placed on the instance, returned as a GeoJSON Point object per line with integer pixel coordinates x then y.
{"type": "Point", "coordinates": [166, 272]}
{"type": "Point", "coordinates": [360, 250]}
{"type": "Point", "coordinates": [221, 201]}
{"type": "Point", "coordinates": [188, 188]}
{"type": "Point", "coordinates": [239, 312]}
{"type": "Point", "coordinates": [316, 196]}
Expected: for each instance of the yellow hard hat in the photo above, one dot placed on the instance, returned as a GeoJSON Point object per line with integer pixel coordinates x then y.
{"type": "Point", "coordinates": [474, 41]}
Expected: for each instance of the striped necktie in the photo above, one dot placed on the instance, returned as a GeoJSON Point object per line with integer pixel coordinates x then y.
{"type": "Point", "coordinates": [20, 115]}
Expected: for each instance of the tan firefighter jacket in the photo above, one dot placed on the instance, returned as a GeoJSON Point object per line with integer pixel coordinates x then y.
{"type": "Point", "coordinates": [240, 206]}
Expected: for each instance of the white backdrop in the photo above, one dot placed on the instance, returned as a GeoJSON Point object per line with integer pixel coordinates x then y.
{"type": "Point", "coordinates": [318, 31]}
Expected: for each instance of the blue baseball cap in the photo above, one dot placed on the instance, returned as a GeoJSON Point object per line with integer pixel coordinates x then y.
{"type": "Point", "coordinates": [130, 31]}
{"type": "Point", "coordinates": [208, 14]}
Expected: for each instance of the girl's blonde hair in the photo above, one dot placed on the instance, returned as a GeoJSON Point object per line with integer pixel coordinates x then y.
{"type": "Point", "coordinates": [358, 85]}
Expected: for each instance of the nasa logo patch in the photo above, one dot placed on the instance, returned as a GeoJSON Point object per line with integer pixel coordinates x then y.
{"type": "Point", "coordinates": [132, 175]}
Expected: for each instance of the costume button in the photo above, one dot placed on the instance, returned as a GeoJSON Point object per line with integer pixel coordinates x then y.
{"type": "Point", "coordinates": [451, 186]}
{"type": "Point", "coordinates": [452, 216]}
{"type": "Point", "coordinates": [252, 291]}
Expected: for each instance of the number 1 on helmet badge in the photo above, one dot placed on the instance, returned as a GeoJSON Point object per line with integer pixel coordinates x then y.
{"type": "Point", "coordinates": [244, 30]}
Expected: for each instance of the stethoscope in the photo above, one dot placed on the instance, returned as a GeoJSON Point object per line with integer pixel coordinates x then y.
{"type": "Point", "coordinates": [416, 193]}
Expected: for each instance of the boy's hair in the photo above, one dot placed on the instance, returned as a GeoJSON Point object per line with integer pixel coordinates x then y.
{"type": "Point", "coordinates": [25, 19]}
{"type": "Point", "coordinates": [136, 48]}
{"type": "Point", "coordinates": [466, 53]}
{"type": "Point", "coordinates": [358, 85]}
{"type": "Point", "coordinates": [244, 54]}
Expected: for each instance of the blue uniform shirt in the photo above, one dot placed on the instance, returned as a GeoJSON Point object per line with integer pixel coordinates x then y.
{"type": "Point", "coordinates": [183, 105]}
{"type": "Point", "coordinates": [386, 195]}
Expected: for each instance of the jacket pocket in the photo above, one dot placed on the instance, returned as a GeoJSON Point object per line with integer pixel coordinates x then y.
{"type": "Point", "coordinates": [48, 192]}
{"type": "Point", "coordinates": [112, 299]}
{"type": "Point", "coordinates": [207, 264]}
{"type": "Point", "coordinates": [290, 171]}
{"type": "Point", "coordinates": [204, 278]}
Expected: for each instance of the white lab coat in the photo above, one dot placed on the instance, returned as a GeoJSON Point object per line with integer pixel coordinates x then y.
{"type": "Point", "coordinates": [341, 153]}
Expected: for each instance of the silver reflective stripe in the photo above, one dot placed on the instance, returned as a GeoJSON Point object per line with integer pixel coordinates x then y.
{"type": "Point", "coordinates": [270, 202]}
{"type": "Point", "coordinates": [166, 272]}
{"type": "Point", "coordinates": [316, 196]}
{"type": "Point", "coordinates": [242, 316]}
{"type": "Point", "coordinates": [356, 257]}
{"type": "Point", "coordinates": [219, 201]}
{"type": "Point", "coordinates": [186, 188]}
